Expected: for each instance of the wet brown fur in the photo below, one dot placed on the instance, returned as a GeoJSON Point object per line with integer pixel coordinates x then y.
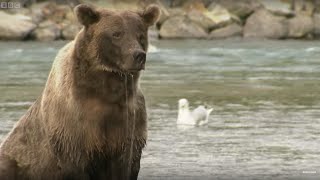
{"type": "Point", "coordinates": [81, 127]}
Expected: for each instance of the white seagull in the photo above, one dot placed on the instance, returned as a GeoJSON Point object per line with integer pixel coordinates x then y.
{"type": "Point", "coordinates": [198, 116]}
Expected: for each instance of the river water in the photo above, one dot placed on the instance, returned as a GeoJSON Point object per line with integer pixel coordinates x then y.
{"type": "Point", "coordinates": [265, 95]}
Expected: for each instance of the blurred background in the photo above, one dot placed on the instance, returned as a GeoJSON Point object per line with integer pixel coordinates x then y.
{"type": "Point", "coordinates": [255, 62]}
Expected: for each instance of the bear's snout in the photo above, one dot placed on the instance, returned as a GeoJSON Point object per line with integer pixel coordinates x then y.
{"type": "Point", "coordinates": [139, 58]}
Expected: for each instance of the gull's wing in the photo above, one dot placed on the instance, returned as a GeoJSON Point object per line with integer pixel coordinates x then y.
{"type": "Point", "coordinates": [199, 114]}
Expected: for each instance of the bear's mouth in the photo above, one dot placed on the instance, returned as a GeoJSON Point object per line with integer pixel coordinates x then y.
{"type": "Point", "coordinates": [130, 67]}
{"type": "Point", "coordinates": [121, 71]}
{"type": "Point", "coordinates": [136, 69]}
{"type": "Point", "coordinates": [133, 70]}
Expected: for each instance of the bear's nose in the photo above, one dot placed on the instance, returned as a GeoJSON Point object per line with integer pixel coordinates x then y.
{"type": "Point", "coordinates": [139, 57]}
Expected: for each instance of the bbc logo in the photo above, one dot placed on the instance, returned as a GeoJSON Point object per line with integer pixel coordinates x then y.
{"type": "Point", "coordinates": [9, 5]}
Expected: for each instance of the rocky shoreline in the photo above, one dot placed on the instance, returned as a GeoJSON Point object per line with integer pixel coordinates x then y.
{"type": "Point", "coordinates": [191, 20]}
{"type": "Point", "coordinates": [43, 22]}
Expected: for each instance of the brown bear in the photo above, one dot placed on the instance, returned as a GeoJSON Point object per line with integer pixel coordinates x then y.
{"type": "Point", "coordinates": [90, 121]}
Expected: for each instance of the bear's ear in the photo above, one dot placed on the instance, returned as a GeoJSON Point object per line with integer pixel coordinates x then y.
{"type": "Point", "coordinates": [151, 14]}
{"type": "Point", "coordinates": [86, 14]}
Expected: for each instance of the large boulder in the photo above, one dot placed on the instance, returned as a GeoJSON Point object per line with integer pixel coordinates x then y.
{"type": "Point", "coordinates": [47, 31]}
{"type": "Point", "coordinates": [185, 3]}
{"type": "Point", "coordinates": [316, 23]}
{"type": "Point", "coordinates": [37, 16]}
{"type": "Point", "coordinates": [219, 15]}
{"type": "Point", "coordinates": [179, 3]}
{"type": "Point", "coordinates": [278, 7]}
{"type": "Point", "coordinates": [176, 12]}
{"type": "Point", "coordinates": [70, 16]}
{"type": "Point", "coordinates": [37, 13]}
{"type": "Point", "coordinates": [316, 6]}
{"type": "Point", "coordinates": [212, 18]}
{"type": "Point", "coordinates": [21, 10]}
{"type": "Point", "coordinates": [181, 27]}
{"type": "Point", "coordinates": [70, 30]}
{"type": "Point", "coordinates": [306, 7]}
{"type": "Point", "coordinates": [300, 26]}
{"type": "Point", "coordinates": [264, 24]}
{"type": "Point", "coordinates": [69, 27]}
{"type": "Point", "coordinates": [51, 11]}
{"type": "Point", "coordinates": [164, 14]}
{"type": "Point", "coordinates": [231, 30]}
{"type": "Point", "coordinates": [241, 8]}
{"type": "Point", "coordinates": [15, 27]}
{"type": "Point", "coordinates": [201, 19]}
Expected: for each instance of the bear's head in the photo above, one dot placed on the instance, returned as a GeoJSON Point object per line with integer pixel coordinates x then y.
{"type": "Point", "coordinates": [114, 41]}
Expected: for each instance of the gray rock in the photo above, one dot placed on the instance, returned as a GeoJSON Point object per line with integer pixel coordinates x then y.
{"type": "Point", "coordinates": [51, 11]}
{"type": "Point", "coordinates": [300, 26]}
{"type": "Point", "coordinates": [241, 8]}
{"type": "Point", "coordinates": [37, 16]}
{"type": "Point", "coordinates": [70, 30]}
{"type": "Point", "coordinates": [316, 23]}
{"type": "Point", "coordinates": [184, 3]}
{"type": "Point", "coordinates": [15, 27]}
{"type": "Point", "coordinates": [47, 31]}
{"type": "Point", "coordinates": [219, 15]}
{"type": "Point", "coordinates": [176, 12]}
{"type": "Point", "coordinates": [21, 10]}
{"type": "Point", "coordinates": [164, 15]}
{"type": "Point", "coordinates": [200, 18]}
{"type": "Point", "coordinates": [306, 7]}
{"type": "Point", "coordinates": [231, 30]}
{"type": "Point", "coordinates": [214, 18]}
{"type": "Point", "coordinates": [181, 27]}
{"type": "Point", "coordinates": [278, 7]}
{"type": "Point", "coordinates": [263, 24]}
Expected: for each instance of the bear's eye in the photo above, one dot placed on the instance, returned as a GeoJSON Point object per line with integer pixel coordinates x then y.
{"type": "Point", "coordinates": [117, 35]}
